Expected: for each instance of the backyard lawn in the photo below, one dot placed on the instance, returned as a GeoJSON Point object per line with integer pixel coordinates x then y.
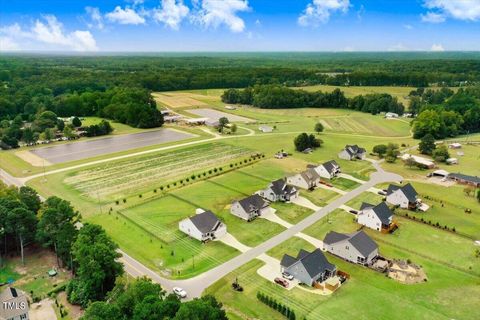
{"type": "Point", "coordinates": [320, 196]}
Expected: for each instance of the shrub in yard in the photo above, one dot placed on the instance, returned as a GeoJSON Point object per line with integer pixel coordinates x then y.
{"type": "Point", "coordinates": [161, 188]}
{"type": "Point", "coordinates": [187, 179]}
{"type": "Point", "coordinates": [172, 253]}
{"type": "Point", "coordinates": [139, 195]}
{"type": "Point", "coordinates": [231, 165]}
{"type": "Point", "coordinates": [174, 184]}
{"type": "Point", "coordinates": [155, 190]}
{"type": "Point", "coordinates": [124, 200]}
{"type": "Point", "coordinates": [209, 171]}
{"type": "Point", "coordinates": [117, 202]}
{"type": "Point", "coordinates": [215, 170]}
{"type": "Point", "coordinates": [192, 177]}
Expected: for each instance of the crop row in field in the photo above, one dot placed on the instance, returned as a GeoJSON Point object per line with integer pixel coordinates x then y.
{"type": "Point", "coordinates": [133, 174]}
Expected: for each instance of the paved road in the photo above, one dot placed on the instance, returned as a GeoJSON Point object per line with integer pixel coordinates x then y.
{"type": "Point", "coordinates": [92, 148]}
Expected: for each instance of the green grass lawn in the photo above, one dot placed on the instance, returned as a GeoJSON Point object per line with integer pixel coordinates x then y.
{"type": "Point", "coordinates": [319, 196]}
{"type": "Point", "coordinates": [180, 257]}
{"type": "Point", "coordinates": [344, 184]}
{"type": "Point", "coordinates": [338, 220]}
{"type": "Point", "coordinates": [291, 212]}
{"type": "Point", "coordinates": [368, 197]}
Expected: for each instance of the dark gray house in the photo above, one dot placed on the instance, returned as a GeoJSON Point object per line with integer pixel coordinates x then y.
{"type": "Point", "coordinates": [403, 196]}
{"type": "Point", "coordinates": [250, 207]}
{"type": "Point", "coordinates": [352, 152]}
{"type": "Point", "coordinates": [377, 217]}
{"type": "Point", "coordinates": [279, 190]}
{"type": "Point", "coordinates": [308, 267]}
{"type": "Point", "coordinates": [203, 226]}
{"type": "Point", "coordinates": [356, 247]}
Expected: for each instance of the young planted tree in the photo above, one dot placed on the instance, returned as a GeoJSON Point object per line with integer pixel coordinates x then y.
{"type": "Point", "coordinates": [318, 127]}
{"type": "Point", "coordinates": [76, 122]}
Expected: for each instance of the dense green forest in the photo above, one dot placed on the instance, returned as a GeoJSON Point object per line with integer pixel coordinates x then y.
{"type": "Point", "coordinates": [278, 97]}
{"type": "Point", "coordinates": [118, 87]}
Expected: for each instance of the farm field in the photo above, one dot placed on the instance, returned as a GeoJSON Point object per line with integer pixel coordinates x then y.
{"type": "Point", "coordinates": [292, 120]}
{"type": "Point", "coordinates": [120, 178]}
{"type": "Point", "coordinates": [216, 115]}
{"type": "Point", "coordinates": [399, 92]}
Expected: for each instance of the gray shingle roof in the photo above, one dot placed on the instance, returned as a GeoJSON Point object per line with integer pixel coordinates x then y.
{"type": "Point", "coordinates": [287, 261]}
{"type": "Point", "coordinates": [407, 190]}
{"type": "Point", "coordinates": [473, 179]}
{"type": "Point", "coordinates": [333, 237]}
{"type": "Point", "coordinates": [366, 205]}
{"type": "Point", "coordinates": [383, 212]}
{"type": "Point", "coordinates": [314, 262]}
{"type": "Point", "coordinates": [280, 187]}
{"type": "Point", "coordinates": [363, 243]}
{"type": "Point", "coordinates": [310, 175]}
{"type": "Point", "coordinates": [331, 166]}
{"type": "Point", "coordinates": [354, 149]}
{"type": "Point", "coordinates": [359, 240]}
{"type": "Point", "coordinates": [205, 221]}
{"type": "Point", "coordinates": [252, 203]}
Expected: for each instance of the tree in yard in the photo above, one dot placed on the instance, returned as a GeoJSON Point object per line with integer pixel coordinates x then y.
{"type": "Point", "coordinates": [304, 141]}
{"type": "Point", "coordinates": [441, 154]}
{"type": "Point", "coordinates": [392, 152]}
{"type": "Point", "coordinates": [478, 195]}
{"type": "Point", "coordinates": [410, 162]}
{"type": "Point", "coordinates": [318, 127]}
{"type": "Point", "coordinates": [47, 135]}
{"type": "Point", "coordinates": [56, 228]}
{"type": "Point", "coordinates": [233, 128]}
{"type": "Point", "coordinates": [95, 256]}
{"type": "Point", "coordinates": [380, 150]}
{"type": "Point", "coordinates": [22, 223]}
{"type": "Point", "coordinates": [76, 122]}
{"type": "Point", "coordinates": [222, 123]}
{"type": "Point", "coordinates": [427, 144]}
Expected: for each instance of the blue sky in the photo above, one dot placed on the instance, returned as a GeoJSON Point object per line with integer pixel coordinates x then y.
{"type": "Point", "coordinates": [240, 25]}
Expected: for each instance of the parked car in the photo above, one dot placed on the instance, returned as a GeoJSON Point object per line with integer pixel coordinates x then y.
{"type": "Point", "coordinates": [287, 276]}
{"type": "Point", "coordinates": [382, 192]}
{"type": "Point", "coordinates": [282, 282]}
{"type": "Point", "coordinates": [353, 211]}
{"type": "Point", "coordinates": [180, 292]}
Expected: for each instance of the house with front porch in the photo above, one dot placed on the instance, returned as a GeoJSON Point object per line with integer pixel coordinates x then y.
{"type": "Point", "coordinates": [307, 179]}
{"type": "Point", "coordinates": [309, 268]}
{"type": "Point", "coordinates": [377, 217]}
{"type": "Point", "coordinates": [203, 226]}
{"type": "Point", "coordinates": [279, 190]}
{"type": "Point", "coordinates": [250, 207]}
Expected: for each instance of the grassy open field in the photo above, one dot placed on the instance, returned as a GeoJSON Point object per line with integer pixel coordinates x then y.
{"type": "Point", "coordinates": [320, 196]}
{"type": "Point", "coordinates": [447, 207]}
{"type": "Point", "coordinates": [400, 93]}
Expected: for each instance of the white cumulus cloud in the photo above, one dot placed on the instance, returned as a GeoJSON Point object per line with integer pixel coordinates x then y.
{"type": "Point", "coordinates": [437, 48]}
{"type": "Point", "coordinates": [96, 19]}
{"type": "Point", "coordinates": [319, 11]}
{"type": "Point", "coordinates": [171, 13]}
{"type": "Point", "coordinates": [468, 10]}
{"type": "Point", "coordinates": [213, 13]}
{"type": "Point", "coordinates": [433, 17]}
{"type": "Point", "coordinates": [48, 31]}
{"type": "Point", "coordinates": [125, 16]}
